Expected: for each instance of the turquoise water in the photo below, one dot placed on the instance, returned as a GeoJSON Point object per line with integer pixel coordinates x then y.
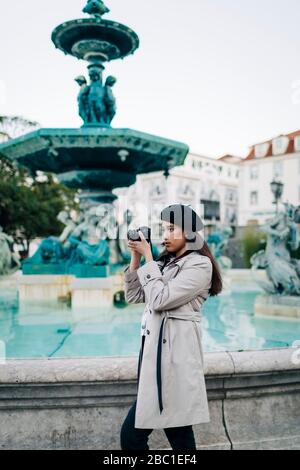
{"type": "Point", "coordinates": [58, 331]}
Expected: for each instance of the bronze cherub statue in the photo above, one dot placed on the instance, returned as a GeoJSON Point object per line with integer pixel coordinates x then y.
{"type": "Point", "coordinates": [96, 8]}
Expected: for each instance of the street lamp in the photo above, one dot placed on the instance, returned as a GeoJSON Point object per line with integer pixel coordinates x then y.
{"type": "Point", "coordinates": [277, 190]}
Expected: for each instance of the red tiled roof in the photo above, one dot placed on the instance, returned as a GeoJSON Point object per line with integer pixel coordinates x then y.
{"type": "Point", "coordinates": [290, 147]}
{"type": "Point", "coordinates": [293, 134]}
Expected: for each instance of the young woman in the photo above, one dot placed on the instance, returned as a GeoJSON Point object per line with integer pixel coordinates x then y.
{"type": "Point", "coordinates": [171, 386]}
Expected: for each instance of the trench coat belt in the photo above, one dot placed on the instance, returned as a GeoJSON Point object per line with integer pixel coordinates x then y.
{"type": "Point", "coordinates": [188, 316]}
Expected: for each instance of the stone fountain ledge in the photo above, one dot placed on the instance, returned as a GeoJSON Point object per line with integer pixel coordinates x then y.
{"type": "Point", "coordinates": [80, 403]}
{"type": "Point", "coordinates": [108, 368]}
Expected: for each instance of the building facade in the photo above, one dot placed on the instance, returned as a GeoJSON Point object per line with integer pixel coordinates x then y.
{"type": "Point", "coordinates": [209, 185]}
{"type": "Point", "coordinates": [276, 159]}
{"type": "Point", "coordinates": [227, 191]}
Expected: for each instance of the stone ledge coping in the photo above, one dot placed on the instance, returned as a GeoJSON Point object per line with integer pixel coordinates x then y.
{"type": "Point", "coordinates": [45, 279]}
{"type": "Point", "coordinates": [104, 369]}
{"type": "Point", "coordinates": [91, 283]}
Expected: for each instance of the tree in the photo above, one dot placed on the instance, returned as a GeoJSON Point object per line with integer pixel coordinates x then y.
{"type": "Point", "coordinates": [29, 205]}
{"type": "Point", "coordinates": [15, 126]}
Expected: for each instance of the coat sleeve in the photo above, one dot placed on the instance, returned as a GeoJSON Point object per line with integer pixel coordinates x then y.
{"type": "Point", "coordinates": [194, 278]}
{"type": "Point", "coordinates": [134, 292]}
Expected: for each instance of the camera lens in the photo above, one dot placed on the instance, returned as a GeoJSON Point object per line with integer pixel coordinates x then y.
{"type": "Point", "coordinates": [133, 235]}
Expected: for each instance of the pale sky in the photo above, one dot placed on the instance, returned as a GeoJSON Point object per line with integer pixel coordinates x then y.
{"type": "Point", "coordinates": [219, 75]}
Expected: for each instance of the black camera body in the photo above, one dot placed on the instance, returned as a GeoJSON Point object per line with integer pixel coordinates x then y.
{"type": "Point", "coordinates": [133, 234]}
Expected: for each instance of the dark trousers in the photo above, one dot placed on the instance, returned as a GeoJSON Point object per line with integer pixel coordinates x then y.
{"type": "Point", "coordinates": [180, 438]}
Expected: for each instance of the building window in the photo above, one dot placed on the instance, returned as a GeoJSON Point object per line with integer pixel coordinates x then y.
{"type": "Point", "coordinates": [230, 196]}
{"type": "Point", "coordinates": [185, 191]}
{"type": "Point", "coordinates": [253, 198]}
{"type": "Point", "coordinates": [211, 209]}
{"type": "Point", "coordinates": [230, 216]}
{"type": "Point", "coordinates": [261, 150]}
{"type": "Point", "coordinates": [157, 190]}
{"type": "Point", "coordinates": [254, 171]}
{"type": "Point", "coordinates": [278, 169]}
{"type": "Point", "coordinates": [196, 164]}
{"type": "Point", "coordinates": [280, 145]}
{"type": "Point", "coordinates": [297, 143]}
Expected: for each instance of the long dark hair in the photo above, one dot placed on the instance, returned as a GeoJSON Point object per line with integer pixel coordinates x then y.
{"type": "Point", "coordinates": [216, 281]}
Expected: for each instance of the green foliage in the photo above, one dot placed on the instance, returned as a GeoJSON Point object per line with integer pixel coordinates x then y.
{"type": "Point", "coordinates": [15, 126]}
{"type": "Point", "coordinates": [253, 240]}
{"type": "Point", "coordinates": [29, 205]}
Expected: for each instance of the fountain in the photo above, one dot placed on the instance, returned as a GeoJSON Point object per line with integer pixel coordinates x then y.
{"type": "Point", "coordinates": [95, 159]}
{"type": "Point", "coordinates": [217, 242]}
{"type": "Point", "coordinates": [282, 287]}
{"type": "Point", "coordinates": [9, 260]}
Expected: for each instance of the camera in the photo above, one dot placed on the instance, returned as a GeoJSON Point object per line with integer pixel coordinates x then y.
{"type": "Point", "coordinates": [133, 234]}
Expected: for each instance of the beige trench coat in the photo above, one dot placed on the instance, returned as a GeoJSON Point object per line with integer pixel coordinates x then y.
{"type": "Point", "coordinates": [171, 390]}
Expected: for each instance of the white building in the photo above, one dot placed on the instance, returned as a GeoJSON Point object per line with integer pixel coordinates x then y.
{"type": "Point", "coordinates": [209, 185]}
{"type": "Point", "coordinates": [278, 158]}
{"type": "Point", "coordinates": [228, 190]}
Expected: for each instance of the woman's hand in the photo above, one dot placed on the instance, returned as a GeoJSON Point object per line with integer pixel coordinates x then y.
{"type": "Point", "coordinates": [141, 247]}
